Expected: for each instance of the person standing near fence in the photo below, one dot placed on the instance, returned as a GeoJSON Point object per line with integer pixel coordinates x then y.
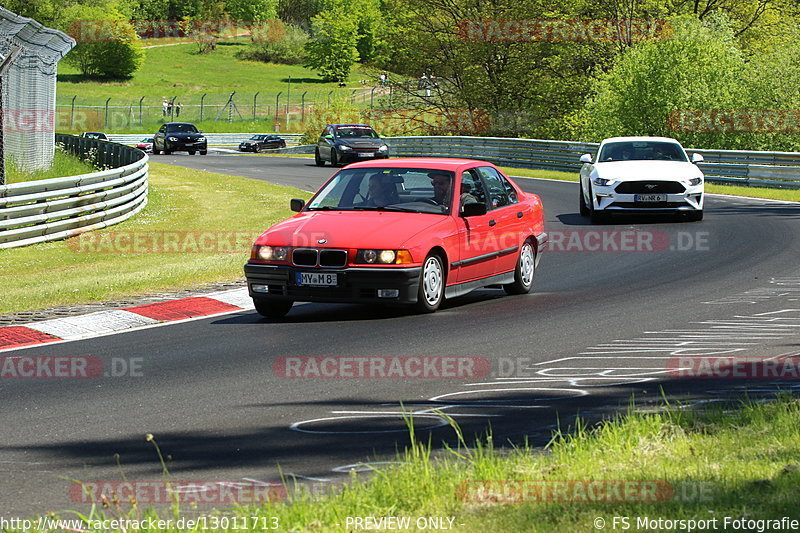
{"type": "Point", "coordinates": [178, 108]}
{"type": "Point", "coordinates": [165, 107]}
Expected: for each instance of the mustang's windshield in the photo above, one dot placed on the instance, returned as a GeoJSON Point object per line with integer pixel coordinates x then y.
{"type": "Point", "coordinates": [417, 190]}
{"type": "Point", "coordinates": [641, 151]}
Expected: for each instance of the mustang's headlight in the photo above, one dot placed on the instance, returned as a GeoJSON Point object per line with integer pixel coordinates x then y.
{"type": "Point", "coordinates": [695, 181]}
{"type": "Point", "coordinates": [201, 139]}
{"type": "Point", "coordinates": [269, 253]}
{"type": "Point", "coordinates": [602, 182]}
{"type": "Point", "coordinates": [383, 148]}
{"type": "Point", "coordinates": [383, 257]}
{"type": "Point", "coordinates": [173, 139]}
{"type": "Point", "coordinates": [344, 148]}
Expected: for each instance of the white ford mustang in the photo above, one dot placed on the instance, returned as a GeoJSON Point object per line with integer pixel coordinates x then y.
{"type": "Point", "coordinates": [641, 175]}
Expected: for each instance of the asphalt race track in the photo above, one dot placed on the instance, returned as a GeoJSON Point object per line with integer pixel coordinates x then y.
{"type": "Point", "coordinates": [611, 310]}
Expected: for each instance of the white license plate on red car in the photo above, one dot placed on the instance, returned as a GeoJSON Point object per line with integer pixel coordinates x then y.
{"type": "Point", "coordinates": [650, 198]}
{"type": "Point", "coordinates": [318, 279]}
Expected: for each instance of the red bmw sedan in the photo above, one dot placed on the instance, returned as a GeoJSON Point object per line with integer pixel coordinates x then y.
{"type": "Point", "coordinates": [401, 231]}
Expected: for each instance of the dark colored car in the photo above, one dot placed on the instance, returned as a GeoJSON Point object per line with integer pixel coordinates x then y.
{"type": "Point", "coordinates": [256, 143]}
{"type": "Point", "coordinates": [345, 143]}
{"type": "Point", "coordinates": [179, 137]}
{"type": "Point", "coordinates": [95, 135]}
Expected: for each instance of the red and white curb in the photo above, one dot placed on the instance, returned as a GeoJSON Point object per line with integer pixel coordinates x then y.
{"type": "Point", "coordinates": [115, 320]}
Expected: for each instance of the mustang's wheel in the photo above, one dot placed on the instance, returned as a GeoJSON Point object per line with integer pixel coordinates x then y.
{"type": "Point", "coordinates": [203, 152]}
{"type": "Point", "coordinates": [334, 158]}
{"type": "Point", "coordinates": [272, 308]}
{"type": "Point", "coordinates": [318, 159]}
{"type": "Point", "coordinates": [431, 285]}
{"type": "Point", "coordinates": [584, 209]}
{"type": "Point", "coordinates": [525, 272]}
{"type": "Point", "coordinates": [191, 152]}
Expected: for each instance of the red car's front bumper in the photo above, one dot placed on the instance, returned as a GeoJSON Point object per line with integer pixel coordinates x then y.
{"type": "Point", "coordinates": [354, 284]}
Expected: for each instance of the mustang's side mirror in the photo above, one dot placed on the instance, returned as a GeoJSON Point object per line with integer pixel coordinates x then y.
{"type": "Point", "coordinates": [473, 210]}
{"type": "Point", "coordinates": [697, 158]}
{"type": "Point", "coordinates": [328, 136]}
{"type": "Point", "coordinates": [586, 158]}
{"type": "Point", "coordinates": [297, 204]}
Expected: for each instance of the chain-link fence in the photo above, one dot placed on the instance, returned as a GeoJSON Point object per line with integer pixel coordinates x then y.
{"type": "Point", "coordinates": [31, 53]}
{"type": "Point", "coordinates": [283, 111]}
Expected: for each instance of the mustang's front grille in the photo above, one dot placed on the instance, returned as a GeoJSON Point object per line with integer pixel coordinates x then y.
{"type": "Point", "coordinates": [650, 187]}
{"type": "Point", "coordinates": [311, 257]}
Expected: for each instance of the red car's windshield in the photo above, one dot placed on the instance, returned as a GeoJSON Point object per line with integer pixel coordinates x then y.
{"type": "Point", "coordinates": [417, 190]}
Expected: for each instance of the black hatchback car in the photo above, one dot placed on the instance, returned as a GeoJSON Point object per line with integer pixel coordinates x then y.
{"type": "Point", "coordinates": [256, 143]}
{"type": "Point", "coordinates": [179, 137]}
{"type": "Point", "coordinates": [345, 143]}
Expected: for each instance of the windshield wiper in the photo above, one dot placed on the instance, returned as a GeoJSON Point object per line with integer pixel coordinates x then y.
{"type": "Point", "coordinates": [384, 208]}
{"type": "Point", "coordinates": [325, 208]}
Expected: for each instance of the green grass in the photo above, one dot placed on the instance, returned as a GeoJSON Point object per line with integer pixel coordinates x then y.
{"type": "Point", "coordinates": [791, 195]}
{"type": "Point", "coordinates": [738, 462]}
{"type": "Point", "coordinates": [180, 200]}
{"type": "Point", "coordinates": [63, 165]}
{"type": "Point", "coordinates": [180, 71]}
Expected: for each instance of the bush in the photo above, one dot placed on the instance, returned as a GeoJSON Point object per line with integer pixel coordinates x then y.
{"type": "Point", "coordinates": [108, 46]}
{"type": "Point", "coordinates": [279, 43]}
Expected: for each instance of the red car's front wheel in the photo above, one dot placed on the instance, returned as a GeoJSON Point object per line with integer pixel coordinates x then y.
{"type": "Point", "coordinates": [431, 285]}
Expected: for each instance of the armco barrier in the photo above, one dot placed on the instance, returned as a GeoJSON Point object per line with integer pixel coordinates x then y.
{"type": "Point", "coordinates": [46, 210]}
{"type": "Point", "coordinates": [733, 167]}
{"type": "Point", "coordinates": [213, 139]}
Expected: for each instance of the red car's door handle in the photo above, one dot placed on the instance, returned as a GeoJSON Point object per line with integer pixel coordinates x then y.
{"type": "Point", "coordinates": [492, 222]}
{"type": "Point", "coordinates": [520, 214]}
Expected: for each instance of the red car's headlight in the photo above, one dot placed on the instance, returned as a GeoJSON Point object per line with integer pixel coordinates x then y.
{"type": "Point", "coordinates": [269, 253]}
{"type": "Point", "coordinates": [383, 257]}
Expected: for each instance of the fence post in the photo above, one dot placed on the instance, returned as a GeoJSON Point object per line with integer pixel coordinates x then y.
{"type": "Point", "coordinates": [72, 113]}
{"type": "Point", "coordinates": [105, 121]}
{"type": "Point", "coordinates": [140, 110]}
{"type": "Point", "coordinates": [201, 106]}
{"type": "Point", "coordinates": [303, 107]}
{"type": "Point", "coordinates": [277, 104]}
{"type": "Point", "coordinates": [255, 97]}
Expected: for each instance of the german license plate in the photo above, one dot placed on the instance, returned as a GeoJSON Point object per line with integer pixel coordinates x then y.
{"type": "Point", "coordinates": [318, 279]}
{"type": "Point", "coordinates": [366, 154]}
{"type": "Point", "coordinates": [650, 198]}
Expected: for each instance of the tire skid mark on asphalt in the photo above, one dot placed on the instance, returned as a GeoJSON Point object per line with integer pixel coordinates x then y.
{"type": "Point", "coordinates": [735, 335]}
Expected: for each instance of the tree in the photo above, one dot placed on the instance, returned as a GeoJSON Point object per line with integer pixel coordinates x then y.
{"type": "Point", "coordinates": [108, 46]}
{"type": "Point", "coordinates": [332, 49]}
{"type": "Point", "coordinates": [700, 67]}
{"type": "Point", "coordinates": [251, 10]}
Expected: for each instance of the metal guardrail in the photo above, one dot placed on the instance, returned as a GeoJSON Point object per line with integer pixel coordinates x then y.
{"type": "Point", "coordinates": [731, 167]}
{"type": "Point", "coordinates": [52, 209]}
{"type": "Point", "coordinates": [213, 139]}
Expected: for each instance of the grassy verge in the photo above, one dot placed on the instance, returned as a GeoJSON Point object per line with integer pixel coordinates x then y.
{"type": "Point", "coordinates": [63, 165]}
{"type": "Point", "coordinates": [179, 71]}
{"type": "Point", "coordinates": [750, 192]}
{"type": "Point", "coordinates": [211, 219]}
{"type": "Point", "coordinates": [736, 463]}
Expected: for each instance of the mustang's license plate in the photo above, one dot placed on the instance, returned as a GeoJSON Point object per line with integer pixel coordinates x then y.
{"type": "Point", "coordinates": [320, 279]}
{"type": "Point", "coordinates": [366, 154]}
{"type": "Point", "coordinates": [650, 198]}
